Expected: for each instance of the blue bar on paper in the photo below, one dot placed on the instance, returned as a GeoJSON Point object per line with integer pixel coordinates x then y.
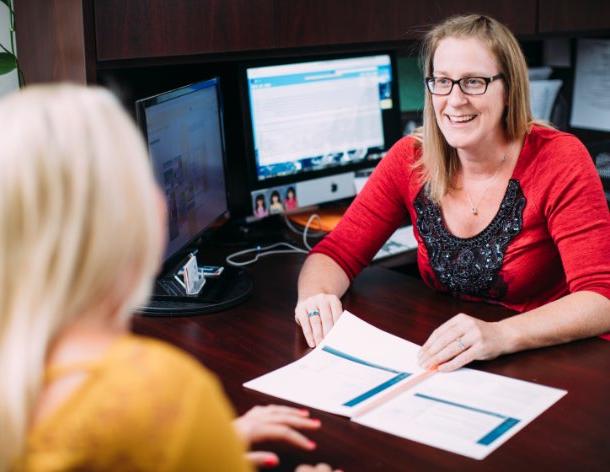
{"type": "Point", "coordinates": [379, 388]}
{"type": "Point", "coordinates": [461, 405]}
{"type": "Point", "coordinates": [498, 431]}
{"type": "Point", "coordinates": [349, 357]}
{"type": "Point", "coordinates": [494, 433]}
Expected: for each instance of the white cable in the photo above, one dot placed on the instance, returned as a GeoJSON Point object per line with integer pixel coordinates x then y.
{"type": "Point", "coordinates": [296, 230]}
{"type": "Point", "coordinates": [262, 252]}
{"type": "Point", "coordinates": [267, 250]}
{"type": "Point", "coordinates": [317, 234]}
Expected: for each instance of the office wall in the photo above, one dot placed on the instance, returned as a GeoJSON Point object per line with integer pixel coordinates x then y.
{"type": "Point", "coordinates": [8, 82]}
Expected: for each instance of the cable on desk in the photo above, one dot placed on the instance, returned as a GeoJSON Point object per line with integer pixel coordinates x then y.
{"type": "Point", "coordinates": [314, 234]}
{"type": "Point", "coordinates": [263, 251]}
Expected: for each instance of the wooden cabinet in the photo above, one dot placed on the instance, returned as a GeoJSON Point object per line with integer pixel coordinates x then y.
{"type": "Point", "coordinates": [329, 22]}
{"type": "Point", "coordinates": [74, 39]}
{"type": "Point", "coordinates": [54, 40]}
{"type": "Point", "coordinates": [162, 28]}
{"type": "Point", "coordinates": [518, 15]}
{"type": "Point", "coordinates": [159, 28]}
{"type": "Point", "coordinates": [576, 17]}
{"type": "Point", "coordinates": [332, 22]}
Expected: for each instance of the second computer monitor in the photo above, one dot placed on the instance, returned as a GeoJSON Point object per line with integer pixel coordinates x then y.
{"type": "Point", "coordinates": [313, 124]}
{"type": "Point", "coordinates": [184, 132]}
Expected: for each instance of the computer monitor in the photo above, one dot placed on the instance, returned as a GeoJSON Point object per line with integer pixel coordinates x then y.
{"type": "Point", "coordinates": [312, 124]}
{"type": "Point", "coordinates": [184, 131]}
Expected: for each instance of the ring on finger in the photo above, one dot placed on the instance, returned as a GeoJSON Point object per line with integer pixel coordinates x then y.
{"type": "Point", "coordinates": [460, 343]}
{"type": "Point", "coordinates": [312, 313]}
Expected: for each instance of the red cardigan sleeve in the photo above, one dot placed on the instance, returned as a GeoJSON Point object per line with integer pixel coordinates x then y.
{"type": "Point", "coordinates": [375, 214]}
{"type": "Point", "coordinates": [573, 202]}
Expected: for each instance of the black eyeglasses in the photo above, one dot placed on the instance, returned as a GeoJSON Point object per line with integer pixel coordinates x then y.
{"type": "Point", "coordinates": [468, 85]}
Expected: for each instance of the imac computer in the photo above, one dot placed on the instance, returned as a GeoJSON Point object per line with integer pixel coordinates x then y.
{"type": "Point", "coordinates": [312, 125]}
{"type": "Point", "coordinates": [184, 132]}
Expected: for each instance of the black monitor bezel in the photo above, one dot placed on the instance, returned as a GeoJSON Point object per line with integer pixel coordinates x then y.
{"type": "Point", "coordinates": [171, 261]}
{"type": "Point", "coordinates": [392, 131]}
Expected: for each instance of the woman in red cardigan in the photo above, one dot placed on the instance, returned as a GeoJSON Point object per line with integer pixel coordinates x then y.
{"type": "Point", "coordinates": [505, 210]}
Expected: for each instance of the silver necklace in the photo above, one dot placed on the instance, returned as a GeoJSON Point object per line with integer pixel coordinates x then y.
{"type": "Point", "coordinates": [475, 208]}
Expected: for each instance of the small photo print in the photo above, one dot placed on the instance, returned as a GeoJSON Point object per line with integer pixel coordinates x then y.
{"type": "Point", "coordinates": [290, 199]}
{"type": "Point", "coordinates": [274, 200]}
{"type": "Point", "coordinates": [259, 205]}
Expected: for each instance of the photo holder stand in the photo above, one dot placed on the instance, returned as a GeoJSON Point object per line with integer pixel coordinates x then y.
{"type": "Point", "coordinates": [193, 277]}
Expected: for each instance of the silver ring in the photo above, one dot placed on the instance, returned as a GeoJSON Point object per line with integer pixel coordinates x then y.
{"type": "Point", "coordinates": [460, 343]}
{"type": "Point", "coordinates": [312, 313]}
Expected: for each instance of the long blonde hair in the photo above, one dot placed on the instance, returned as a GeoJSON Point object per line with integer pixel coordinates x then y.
{"type": "Point", "coordinates": [77, 219]}
{"type": "Point", "coordinates": [439, 161]}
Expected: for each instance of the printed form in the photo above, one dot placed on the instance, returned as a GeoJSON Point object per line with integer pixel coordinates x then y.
{"type": "Point", "coordinates": [372, 377]}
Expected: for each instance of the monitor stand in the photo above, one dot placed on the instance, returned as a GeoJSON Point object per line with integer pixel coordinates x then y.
{"type": "Point", "coordinates": [329, 218]}
{"type": "Point", "coordinates": [231, 288]}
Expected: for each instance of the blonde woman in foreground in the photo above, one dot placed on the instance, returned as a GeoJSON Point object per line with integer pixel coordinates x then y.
{"type": "Point", "coordinates": [82, 230]}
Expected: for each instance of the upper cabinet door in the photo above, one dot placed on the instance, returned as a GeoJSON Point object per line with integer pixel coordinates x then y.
{"type": "Point", "coordinates": [326, 22]}
{"type": "Point", "coordinates": [570, 16]}
{"type": "Point", "coordinates": [127, 29]}
{"type": "Point", "coordinates": [518, 15]}
{"type": "Point", "coordinates": [321, 22]}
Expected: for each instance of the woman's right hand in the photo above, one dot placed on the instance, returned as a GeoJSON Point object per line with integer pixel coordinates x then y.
{"type": "Point", "coordinates": [316, 315]}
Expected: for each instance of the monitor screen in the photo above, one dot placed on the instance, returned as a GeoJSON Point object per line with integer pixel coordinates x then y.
{"type": "Point", "coordinates": [313, 124]}
{"type": "Point", "coordinates": [184, 132]}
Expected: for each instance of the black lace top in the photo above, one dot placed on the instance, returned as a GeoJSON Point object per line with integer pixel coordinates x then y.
{"type": "Point", "coordinates": [471, 266]}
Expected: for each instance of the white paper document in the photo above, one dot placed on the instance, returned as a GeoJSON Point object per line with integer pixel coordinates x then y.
{"type": "Point", "coordinates": [372, 377]}
{"type": "Point", "coordinates": [543, 94]}
{"type": "Point", "coordinates": [539, 73]}
{"type": "Point", "coordinates": [591, 100]}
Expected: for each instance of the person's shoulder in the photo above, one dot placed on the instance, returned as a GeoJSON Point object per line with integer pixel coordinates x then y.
{"type": "Point", "coordinates": [409, 146]}
{"type": "Point", "coordinates": [554, 152]}
{"type": "Point", "coordinates": [141, 400]}
{"type": "Point", "coordinates": [553, 142]}
{"type": "Point", "coordinates": [159, 356]}
{"type": "Point", "coordinates": [405, 152]}
{"type": "Point", "coordinates": [156, 376]}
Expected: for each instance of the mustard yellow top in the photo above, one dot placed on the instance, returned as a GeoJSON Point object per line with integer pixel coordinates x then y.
{"type": "Point", "coordinates": [144, 406]}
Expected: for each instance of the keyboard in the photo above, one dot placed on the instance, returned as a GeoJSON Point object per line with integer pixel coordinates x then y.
{"type": "Point", "coordinates": [168, 286]}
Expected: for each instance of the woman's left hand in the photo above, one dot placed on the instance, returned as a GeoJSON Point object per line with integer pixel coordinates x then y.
{"type": "Point", "coordinates": [462, 340]}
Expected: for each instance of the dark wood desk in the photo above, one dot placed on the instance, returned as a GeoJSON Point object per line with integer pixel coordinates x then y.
{"type": "Point", "coordinates": [260, 335]}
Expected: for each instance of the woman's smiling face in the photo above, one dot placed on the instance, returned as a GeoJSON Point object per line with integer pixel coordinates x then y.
{"type": "Point", "coordinates": [467, 121]}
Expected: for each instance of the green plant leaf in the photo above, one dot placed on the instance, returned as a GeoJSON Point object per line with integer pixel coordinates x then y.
{"type": "Point", "coordinates": [8, 62]}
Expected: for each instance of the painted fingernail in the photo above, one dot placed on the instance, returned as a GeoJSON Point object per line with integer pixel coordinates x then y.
{"type": "Point", "coordinates": [311, 445]}
{"type": "Point", "coordinates": [271, 462]}
{"type": "Point", "coordinates": [317, 421]}
{"type": "Point", "coordinates": [304, 412]}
